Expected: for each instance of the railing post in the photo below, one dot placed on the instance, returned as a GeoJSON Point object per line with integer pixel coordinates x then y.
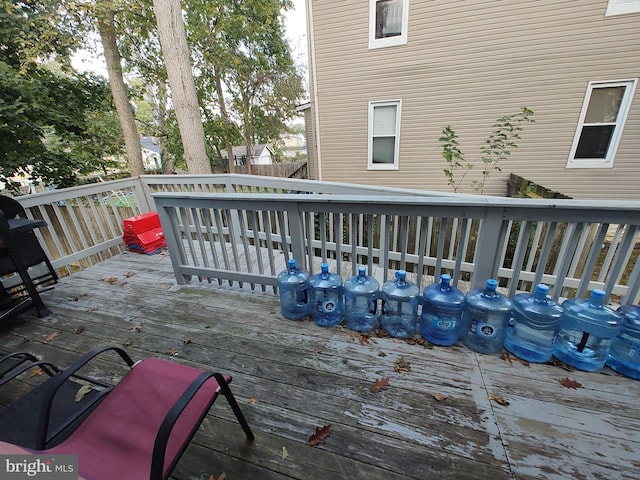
{"type": "Point", "coordinates": [487, 252]}
{"type": "Point", "coordinates": [296, 231]}
{"type": "Point", "coordinates": [173, 237]}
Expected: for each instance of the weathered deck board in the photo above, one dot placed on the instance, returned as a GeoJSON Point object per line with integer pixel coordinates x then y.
{"type": "Point", "coordinates": [291, 377]}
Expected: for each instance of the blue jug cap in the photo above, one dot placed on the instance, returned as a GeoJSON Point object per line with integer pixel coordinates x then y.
{"type": "Point", "coordinates": [362, 271]}
{"type": "Point", "coordinates": [446, 278]}
{"type": "Point", "coordinates": [597, 295]}
{"type": "Point", "coordinates": [492, 284]}
{"type": "Point", "coordinates": [324, 267]}
{"type": "Point", "coordinates": [291, 263]}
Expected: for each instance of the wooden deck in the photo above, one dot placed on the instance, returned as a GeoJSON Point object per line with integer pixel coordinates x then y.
{"type": "Point", "coordinates": [292, 377]}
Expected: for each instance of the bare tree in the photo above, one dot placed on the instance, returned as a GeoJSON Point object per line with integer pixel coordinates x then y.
{"type": "Point", "coordinates": [177, 59]}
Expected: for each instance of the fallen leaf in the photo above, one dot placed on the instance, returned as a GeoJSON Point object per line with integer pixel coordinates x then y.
{"type": "Point", "coordinates": [82, 391]}
{"type": "Point", "coordinates": [126, 343]}
{"type": "Point", "coordinates": [136, 328]}
{"type": "Point", "coordinates": [319, 436]}
{"type": "Point", "coordinates": [50, 337]}
{"type": "Point", "coordinates": [129, 274]}
{"type": "Point", "coordinates": [498, 400]}
{"type": "Point", "coordinates": [380, 384]}
{"type": "Point", "coordinates": [506, 356]}
{"type": "Point", "coordinates": [439, 397]}
{"type": "Point", "coordinates": [568, 383]}
{"type": "Point", "coordinates": [221, 477]}
{"type": "Point", "coordinates": [111, 280]}
{"type": "Point", "coordinates": [382, 354]}
{"type": "Point", "coordinates": [35, 372]}
{"type": "Point", "coordinates": [285, 454]}
{"type": "Point", "coordinates": [402, 365]}
{"type": "Point", "coordinates": [253, 401]}
{"type": "Point", "coordinates": [79, 329]}
{"type": "Point", "coordinates": [524, 362]}
{"type": "Point", "coordinates": [366, 339]}
{"type": "Point", "coordinates": [173, 352]}
{"type": "Point", "coordinates": [186, 341]}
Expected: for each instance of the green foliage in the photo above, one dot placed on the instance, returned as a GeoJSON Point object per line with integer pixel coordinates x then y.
{"type": "Point", "coordinates": [52, 121]}
{"type": "Point", "coordinates": [495, 150]}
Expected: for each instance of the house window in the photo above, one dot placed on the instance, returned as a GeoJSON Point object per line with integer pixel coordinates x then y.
{"type": "Point", "coordinates": [620, 7]}
{"type": "Point", "coordinates": [384, 134]}
{"type": "Point", "coordinates": [604, 112]}
{"type": "Point", "coordinates": [388, 22]}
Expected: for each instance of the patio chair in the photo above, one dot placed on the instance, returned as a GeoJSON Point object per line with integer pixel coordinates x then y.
{"type": "Point", "coordinates": [49, 411]}
{"type": "Point", "coordinates": [24, 266]}
{"type": "Point", "coordinates": [144, 424]}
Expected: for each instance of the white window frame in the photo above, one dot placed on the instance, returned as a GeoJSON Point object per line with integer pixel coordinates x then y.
{"type": "Point", "coordinates": [621, 7]}
{"type": "Point", "coordinates": [389, 41]}
{"type": "Point", "coordinates": [396, 153]}
{"type": "Point", "coordinates": [625, 105]}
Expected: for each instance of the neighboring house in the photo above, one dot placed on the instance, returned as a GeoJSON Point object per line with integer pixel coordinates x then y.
{"type": "Point", "coordinates": [151, 153]}
{"type": "Point", "coordinates": [261, 154]}
{"type": "Point", "coordinates": [387, 75]}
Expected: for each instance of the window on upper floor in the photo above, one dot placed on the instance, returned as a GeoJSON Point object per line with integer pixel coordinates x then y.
{"type": "Point", "coordinates": [384, 134]}
{"type": "Point", "coordinates": [388, 21]}
{"type": "Point", "coordinates": [620, 7]}
{"type": "Point", "coordinates": [604, 111]}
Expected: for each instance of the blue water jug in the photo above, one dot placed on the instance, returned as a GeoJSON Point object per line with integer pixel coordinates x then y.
{"type": "Point", "coordinates": [327, 307]}
{"type": "Point", "coordinates": [535, 322]}
{"type": "Point", "coordinates": [624, 356]}
{"type": "Point", "coordinates": [441, 312]}
{"type": "Point", "coordinates": [485, 316]}
{"type": "Point", "coordinates": [586, 332]}
{"type": "Point", "coordinates": [361, 302]}
{"type": "Point", "coordinates": [400, 306]}
{"type": "Point", "coordinates": [293, 288]}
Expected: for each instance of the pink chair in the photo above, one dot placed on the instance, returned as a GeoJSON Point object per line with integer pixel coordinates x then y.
{"type": "Point", "coordinates": [143, 426]}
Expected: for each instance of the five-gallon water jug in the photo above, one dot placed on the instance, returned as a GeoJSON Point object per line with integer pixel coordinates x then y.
{"type": "Point", "coordinates": [326, 297]}
{"type": "Point", "coordinates": [624, 356]}
{"type": "Point", "coordinates": [361, 302]}
{"type": "Point", "coordinates": [399, 306]}
{"type": "Point", "coordinates": [586, 332]}
{"type": "Point", "coordinates": [441, 312]}
{"type": "Point", "coordinates": [293, 288]}
{"type": "Point", "coordinates": [534, 323]}
{"type": "Point", "coordinates": [485, 316]}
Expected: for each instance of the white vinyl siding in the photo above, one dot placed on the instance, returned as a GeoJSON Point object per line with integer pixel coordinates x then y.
{"type": "Point", "coordinates": [384, 134]}
{"type": "Point", "coordinates": [620, 7]}
{"type": "Point", "coordinates": [388, 21]}
{"type": "Point", "coordinates": [604, 112]}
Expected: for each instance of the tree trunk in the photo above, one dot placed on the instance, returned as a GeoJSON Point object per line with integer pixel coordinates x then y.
{"type": "Point", "coordinates": [225, 122]}
{"type": "Point", "coordinates": [106, 27]}
{"type": "Point", "coordinates": [177, 59]}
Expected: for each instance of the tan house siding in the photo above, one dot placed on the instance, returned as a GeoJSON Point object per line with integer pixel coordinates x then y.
{"type": "Point", "coordinates": [467, 63]}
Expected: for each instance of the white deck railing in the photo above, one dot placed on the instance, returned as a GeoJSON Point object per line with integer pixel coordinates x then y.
{"type": "Point", "coordinates": [240, 228]}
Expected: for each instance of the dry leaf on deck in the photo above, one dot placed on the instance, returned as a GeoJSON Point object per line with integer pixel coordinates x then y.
{"type": "Point", "coordinates": [79, 329]}
{"type": "Point", "coordinates": [82, 391]}
{"type": "Point", "coordinates": [129, 274]}
{"type": "Point", "coordinates": [319, 436]}
{"type": "Point", "coordinates": [285, 454]}
{"type": "Point", "coordinates": [136, 328]}
{"type": "Point", "coordinates": [402, 365]}
{"type": "Point", "coordinates": [221, 477]}
{"type": "Point", "coordinates": [126, 343]}
{"type": "Point", "coordinates": [253, 401]}
{"type": "Point", "coordinates": [506, 356]}
{"type": "Point", "coordinates": [366, 339]}
{"type": "Point", "coordinates": [50, 337]}
{"type": "Point", "coordinates": [35, 372]}
{"type": "Point", "coordinates": [173, 352]}
{"type": "Point", "coordinates": [568, 383]}
{"type": "Point", "coordinates": [111, 280]}
{"type": "Point", "coordinates": [186, 341]}
{"type": "Point", "coordinates": [498, 400]}
{"type": "Point", "coordinates": [439, 397]}
{"type": "Point", "coordinates": [380, 384]}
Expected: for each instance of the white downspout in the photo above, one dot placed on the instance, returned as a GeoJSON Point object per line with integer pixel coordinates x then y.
{"type": "Point", "coordinates": [314, 81]}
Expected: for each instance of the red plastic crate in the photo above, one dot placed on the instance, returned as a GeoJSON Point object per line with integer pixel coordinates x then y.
{"type": "Point", "coordinates": [142, 223]}
{"type": "Point", "coordinates": [145, 242]}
